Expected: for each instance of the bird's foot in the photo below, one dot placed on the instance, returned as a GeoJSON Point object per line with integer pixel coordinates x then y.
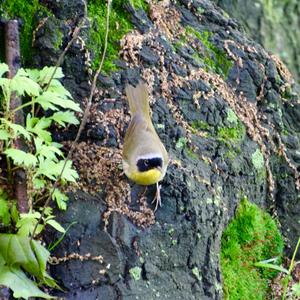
{"type": "Point", "coordinates": [157, 198]}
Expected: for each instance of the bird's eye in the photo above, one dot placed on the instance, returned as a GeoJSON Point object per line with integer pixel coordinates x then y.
{"type": "Point", "coordinates": [146, 162]}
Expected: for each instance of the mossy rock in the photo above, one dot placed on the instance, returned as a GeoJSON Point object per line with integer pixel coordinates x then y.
{"type": "Point", "coordinates": [252, 236]}
{"type": "Point", "coordinates": [25, 12]}
{"type": "Point", "coordinates": [212, 58]}
{"type": "Point", "coordinates": [119, 25]}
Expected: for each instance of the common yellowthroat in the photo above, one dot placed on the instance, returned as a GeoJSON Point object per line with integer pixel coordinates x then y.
{"type": "Point", "coordinates": [145, 158]}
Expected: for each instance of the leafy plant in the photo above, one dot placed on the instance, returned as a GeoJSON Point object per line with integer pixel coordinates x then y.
{"type": "Point", "coordinates": [270, 264]}
{"type": "Point", "coordinates": [20, 254]}
{"type": "Point", "coordinates": [43, 162]}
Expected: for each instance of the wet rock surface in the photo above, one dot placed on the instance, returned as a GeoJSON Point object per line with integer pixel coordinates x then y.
{"type": "Point", "coordinates": [209, 119]}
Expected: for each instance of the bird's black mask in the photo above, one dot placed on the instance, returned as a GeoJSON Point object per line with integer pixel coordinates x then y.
{"type": "Point", "coordinates": [146, 164]}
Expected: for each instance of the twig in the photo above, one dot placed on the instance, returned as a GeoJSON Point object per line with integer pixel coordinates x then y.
{"type": "Point", "coordinates": [83, 121]}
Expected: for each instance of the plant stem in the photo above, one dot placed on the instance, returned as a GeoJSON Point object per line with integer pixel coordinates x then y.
{"type": "Point", "coordinates": [23, 105]}
{"type": "Point", "coordinates": [9, 172]}
{"type": "Point", "coordinates": [56, 243]}
{"type": "Point", "coordinates": [290, 270]}
{"type": "Point", "coordinates": [294, 256]}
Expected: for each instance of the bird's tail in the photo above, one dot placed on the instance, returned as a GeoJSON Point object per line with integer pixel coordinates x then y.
{"type": "Point", "coordinates": [138, 99]}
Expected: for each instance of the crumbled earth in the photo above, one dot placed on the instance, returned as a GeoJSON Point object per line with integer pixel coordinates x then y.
{"type": "Point", "coordinates": [229, 116]}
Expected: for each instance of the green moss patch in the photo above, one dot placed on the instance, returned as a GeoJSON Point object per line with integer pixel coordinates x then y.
{"type": "Point", "coordinates": [139, 4]}
{"type": "Point", "coordinates": [214, 59]}
{"type": "Point", "coordinates": [200, 125]}
{"type": "Point", "coordinates": [26, 11]}
{"type": "Point", "coordinates": [231, 134]}
{"type": "Point", "coordinates": [234, 133]}
{"type": "Point", "coordinates": [119, 25]}
{"type": "Point", "coordinates": [250, 237]}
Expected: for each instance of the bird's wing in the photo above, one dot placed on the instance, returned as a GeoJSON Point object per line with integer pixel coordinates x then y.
{"type": "Point", "coordinates": [135, 130]}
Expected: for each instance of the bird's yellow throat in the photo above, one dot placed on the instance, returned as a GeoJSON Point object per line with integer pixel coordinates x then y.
{"type": "Point", "coordinates": [146, 178]}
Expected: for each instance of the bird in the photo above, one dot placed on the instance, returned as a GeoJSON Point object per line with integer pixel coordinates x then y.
{"type": "Point", "coordinates": [144, 158]}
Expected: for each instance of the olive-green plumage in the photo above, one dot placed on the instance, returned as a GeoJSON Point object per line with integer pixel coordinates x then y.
{"type": "Point", "coordinates": [145, 158]}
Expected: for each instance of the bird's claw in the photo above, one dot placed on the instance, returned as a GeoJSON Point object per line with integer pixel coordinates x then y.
{"type": "Point", "coordinates": [157, 198]}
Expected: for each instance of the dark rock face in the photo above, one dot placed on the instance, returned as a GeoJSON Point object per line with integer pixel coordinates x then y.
{"type": "Point", "coordinates": [270, 23]}
{"type": "Point", "coordinates": [196, 113]}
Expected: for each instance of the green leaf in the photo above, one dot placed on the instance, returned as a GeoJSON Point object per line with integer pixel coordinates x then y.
{"type": "Point", "coordinates": [38, 183]}
{"type": "Point", "coordinates": [48, 168]}
{"type": "Point", "coordinates": [136, 273]}
{"type": "Point", "coordinates": [4, 212]}
{"type": "Point", "coordinates": [271, 266]}
{"type": "Point", "coordinates": [18, 252]}
{"type": "Point", "coordinates": [56, 225]}
{"type": "Point", "coordinates": [20, 130]}
{"type": "Point", "coordinates": [50, 100]}
{"type": "Point", "coordinates": [2, 262]}
{"type": "Point", "coordinates": [60, 199]}
{"type": "Point", "coordinates": [296, 289]}
{"type": "Point", "coordinates": [3, 69]}
{"type": "Point", "coordinates": [38, 126]}
{"type": "Point", "coordinates": [20, 157]}
{"type": "Point", "coordinates": [52, 170]}
{"type": "Point", "coordinates": [56, 87]}
{"type": "Point", "coordinates": [42, 255]}
{"type": "Point", "coordinates": [22, 286]}
{"type": "Point", "coordinates": [27, 222]}
{"type": "Point", "coordinates": [14, 212]}
{"type": "Point", "coordinates": [33, 74]}
{"type": "Point", "coordinates": [4, 135]}
{"type": "Point", "coordinates": [48, 211]}
{"type": "Point", "coordinates": [5, 85]}
{"type": "Point", "coordinates": [46, 74]}
{"type": "Point", "coordinates": [69, 174]}
{"type": "Point", "coordinates": [22, 84]}
{"type": "Point", "coordinates": [45, 102]}
{"type": "Point", "coordinates": [196, 273]}
{"type": "Point", "coordinates": [49, 152]}
{"type": "Point", "coordinates": [56, 145]}
{"type": "Point", "coordinates": [54, 244]}
{"type": "Point", "coordinates": [64, 117]}
{"type": "Point", "coordinates": [17, 129]}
